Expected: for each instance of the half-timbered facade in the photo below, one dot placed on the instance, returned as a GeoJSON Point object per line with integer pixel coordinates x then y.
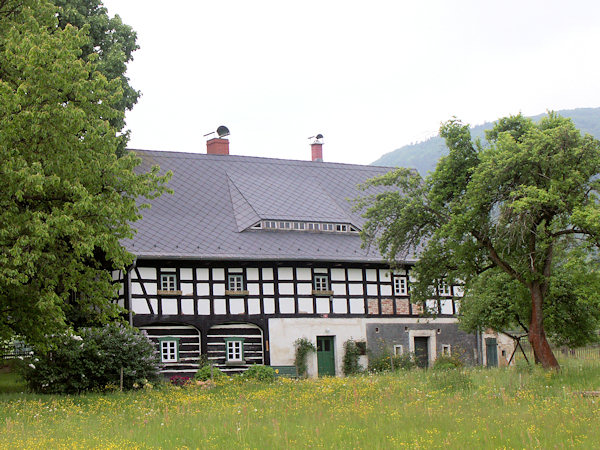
{"type": "Point", "coordinates": [250, 254]}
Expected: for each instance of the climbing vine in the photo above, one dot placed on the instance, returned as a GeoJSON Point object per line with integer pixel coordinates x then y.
{"type": "Point", "coordinates": [303, 348]}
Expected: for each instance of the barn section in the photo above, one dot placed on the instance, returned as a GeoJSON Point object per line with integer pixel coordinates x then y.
{"type": "Point", "coordinates": [233, 347]}
{"type": "Point", "coordinates": [179, 347]}
{"type": "Point", "coordinates": [426, 338]}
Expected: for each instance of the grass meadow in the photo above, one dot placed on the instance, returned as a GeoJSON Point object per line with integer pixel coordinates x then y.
{"type": "Point", "coordinates": [475, 408]}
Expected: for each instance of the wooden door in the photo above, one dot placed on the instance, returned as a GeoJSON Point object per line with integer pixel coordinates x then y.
{"type": "Point", "coordinates": [422, 351]}
{"type": "Point", "coordinates": [325, 356]}
{"type": "Point", "coordinates": [491, 352]}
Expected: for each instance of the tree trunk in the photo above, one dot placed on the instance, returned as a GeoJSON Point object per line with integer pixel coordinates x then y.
{"type": "Point", "coordinates": [537, 336]}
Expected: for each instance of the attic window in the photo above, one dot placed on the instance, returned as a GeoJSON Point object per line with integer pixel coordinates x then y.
{"type": "Point", "coordinates": [305, 226]}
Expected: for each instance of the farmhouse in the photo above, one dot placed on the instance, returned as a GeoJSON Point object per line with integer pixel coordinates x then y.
{"type": "Point", "coordinates": [249, 254]}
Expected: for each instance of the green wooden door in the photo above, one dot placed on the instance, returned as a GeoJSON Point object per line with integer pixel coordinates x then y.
{"type": "Point", "coordinates": [422, 351]}
{"type": "Point", "coordinates": [325, 356]}
{"type": "Point", "coordinates": [491, 352]}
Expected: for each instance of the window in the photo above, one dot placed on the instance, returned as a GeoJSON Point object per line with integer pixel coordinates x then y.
{"type": "Point", "coordinates": [285, 225]}
{"type": "Point", "coordinates": [327, 227]}
{"type": "Point", "coordinates": [313, 226]}
{"type": "Point", "coordinates": [398, 350]}
{"type": "Point", "coordinates": [400, 286]}
{"type": "Point", "coordinates": [234, 349]}
{"type": "Point", "coordinates": [169, 349]}
{"type": "Point", "coordinates": [270, 224]}
{"type": "Point", "coordinates": [446, 350]}
{"type": "Point", "coordinates": [341, 227]}
{"type": "Point", "coordinates": [444, 289]}
{"type": "Point", "coordinates": [168, 282]}
{"type": "Point", "coordinates": [235, 282]}
{"type": "Point", "coordinates": [321, 282]}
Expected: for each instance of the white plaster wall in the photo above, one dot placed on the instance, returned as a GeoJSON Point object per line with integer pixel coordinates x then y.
{"type": "Point", "coordinates": [284, 332]}
{"type": "Point", "coordinates": [371, 274]}
{"type": "Point", "coordinates": [338, 274]}
{"type": "Point", "coordinates": [285, 273]}
{"type": "Point", "coordinates": [147, 273]}
{"type": "Point", "coordinates": [303, 273]}
{"type": "Point", "coordinates": [202, 274]}
{"type": "Point", "coordinates": [186, 274]}
{"type": "Point", "coordinates": [355, 274]}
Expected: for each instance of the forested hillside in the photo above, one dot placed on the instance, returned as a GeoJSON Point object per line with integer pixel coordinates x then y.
{"type": "Point", "coordinates": [424, 155]}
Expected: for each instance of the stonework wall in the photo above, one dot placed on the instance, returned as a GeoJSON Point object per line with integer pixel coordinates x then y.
{"type": "Point", "coordinates": [382, 337]}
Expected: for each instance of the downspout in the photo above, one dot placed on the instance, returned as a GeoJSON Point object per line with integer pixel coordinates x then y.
{"type": "Point", "coordinates": [129, 269]}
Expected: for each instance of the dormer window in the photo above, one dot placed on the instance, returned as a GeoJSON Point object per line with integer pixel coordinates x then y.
{"type": "Point", "coordinates": [305, 226]}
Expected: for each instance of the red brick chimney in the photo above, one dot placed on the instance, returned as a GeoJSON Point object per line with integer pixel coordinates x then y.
{"type": "Point", "coordinates": [316, 149]}
{"type": "Point", "coordinates": [217, 146]}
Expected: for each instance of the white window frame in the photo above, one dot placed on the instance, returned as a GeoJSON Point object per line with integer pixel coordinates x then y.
{"type": "Point", "coordinates": [400, 285]}
{"type": "Point", "coordinates": [169, 350]}
{"type": "Point", "coordinates": [444, 289]}
{"type": "Point", "coordinates": [168, 282]}
{"type": "Point", "coordinates": [235, 282]}
{"type": "Point", "coordinates": [327, 227]}
{"type": "Point", "coordinates": [398, 350]}
{"type": "Point", "coordinates": [446, 350]}
{"type": "Point", "coordinates": [321, 282]}
{"type": "Point", "coordinates": [341, 227]}
{"type": "Point", "coordinates": [313, 226]}
{"type": "Point", "coordinates": [234, 350]}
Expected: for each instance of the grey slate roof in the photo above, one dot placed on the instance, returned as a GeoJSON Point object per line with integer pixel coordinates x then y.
{"type": "Point", "coordinates": [217, 197]}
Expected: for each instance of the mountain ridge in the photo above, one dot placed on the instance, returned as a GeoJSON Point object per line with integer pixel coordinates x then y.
{"type": "Point", "coordinates": [424, 155]}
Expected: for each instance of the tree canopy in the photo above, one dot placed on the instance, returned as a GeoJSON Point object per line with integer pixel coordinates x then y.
{"type": "Point", "coordinates": [110, 45]}
{"type": "Point", "coordinates": [66, 199]}
{"type": "Point", "coordinates": [513, 221]}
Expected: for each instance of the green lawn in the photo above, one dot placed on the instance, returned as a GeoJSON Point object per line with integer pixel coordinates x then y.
{"type": "Point", "coordinates": [478, 408]}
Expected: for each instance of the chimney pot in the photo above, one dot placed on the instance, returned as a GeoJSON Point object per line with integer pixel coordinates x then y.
{"type": "Point", "coordinates": [317, 151]}
{"type": "Point", "coordinates": [217, 146]}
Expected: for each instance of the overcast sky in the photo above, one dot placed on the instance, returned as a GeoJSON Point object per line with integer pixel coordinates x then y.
{"type": "Point", "coordinates": [370, 76]}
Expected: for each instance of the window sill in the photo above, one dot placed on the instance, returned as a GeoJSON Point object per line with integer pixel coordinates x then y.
{"type": "Point", "coordinates": [168, 292]}
{"type": "Point", "coordinates": [322, 293]}
{"type": "Point", "coordinates": [237, 293]}
{"type": "Point", "coordinates": [235, 363]}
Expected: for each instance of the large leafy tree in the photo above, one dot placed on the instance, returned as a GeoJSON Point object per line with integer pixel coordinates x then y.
{"type": "Point", "coordinates": [110, 44]}
{"type": "Point", "coordinates": [496, 217]}
{"type": "Point", "coordinates": [66, 199]}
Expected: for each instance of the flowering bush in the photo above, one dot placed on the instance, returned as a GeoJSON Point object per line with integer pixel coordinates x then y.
{"type": "Point", "coordinates": [93, 360]}
{"type": "Point", "coordinates": [178, 380]}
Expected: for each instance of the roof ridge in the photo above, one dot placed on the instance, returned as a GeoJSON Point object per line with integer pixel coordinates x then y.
{"type": "Point", "coordinates": [259, 159]}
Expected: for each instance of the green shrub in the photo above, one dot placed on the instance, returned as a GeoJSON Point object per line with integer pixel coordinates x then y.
{"type": "Point", "coordinates": [446, 362]}
{"type": "Point", "coordinates": [93, 360]}
{"type": "Point", "coordinates": [260, 373]}
{"type": "Point", "coordinates": [350, 361]}
{"type": "Point", "coordinates": [383, 363]}
{"type": "Point", "coordinates": [204, 373]}
{"type": "Point", "coordinates": [303, 348]}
